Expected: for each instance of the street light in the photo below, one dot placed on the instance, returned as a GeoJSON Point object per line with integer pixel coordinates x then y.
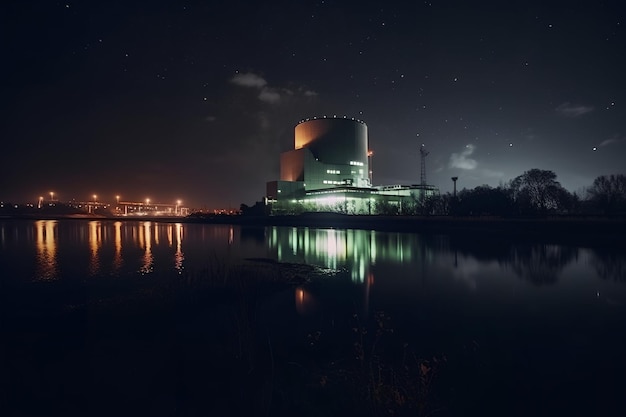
{"type": "Point", "coordinates": [177, 204]}
{"type": "Point", "coordinates": [51, 195]}
{"type": "Point", "coordinates": [40, 201]}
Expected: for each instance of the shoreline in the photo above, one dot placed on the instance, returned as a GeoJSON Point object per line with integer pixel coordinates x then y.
{"type": "Point", "coordinates": [577, 229]}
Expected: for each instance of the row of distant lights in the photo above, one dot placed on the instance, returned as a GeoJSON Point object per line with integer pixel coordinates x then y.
{"type": "Point", "coordinates": [324, 117]}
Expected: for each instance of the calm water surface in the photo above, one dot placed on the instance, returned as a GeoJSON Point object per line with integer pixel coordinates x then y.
{"type": "Point", "coordinates": [534, 326]}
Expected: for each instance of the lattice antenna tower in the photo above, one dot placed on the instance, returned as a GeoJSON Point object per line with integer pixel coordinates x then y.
{"type": "Point", "coordinates": [423, 154]}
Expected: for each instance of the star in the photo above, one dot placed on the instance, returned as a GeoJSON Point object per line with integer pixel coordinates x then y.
{"type": "Point", "coordinates": [375, 63]}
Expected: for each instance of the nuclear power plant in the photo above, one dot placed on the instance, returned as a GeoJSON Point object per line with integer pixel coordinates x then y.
{"type": "Point", "coordinates": [329, 169]}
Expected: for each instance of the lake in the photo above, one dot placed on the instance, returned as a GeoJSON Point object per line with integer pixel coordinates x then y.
{"type": "Point", "coordinates": [460, 325]}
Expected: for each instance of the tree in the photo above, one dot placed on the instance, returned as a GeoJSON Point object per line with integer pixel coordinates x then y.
{"type": "Point", "coordinates": [258, 209]}
{"type": "Point", "coordinates": [387, 208]}
{"type": "Point", "coordinates": [484, 201]}
{"type": "Point", "coordinates": [537, 192]}
{"type": "Point", "coordinates": [437, 204]}
{"type": "Point", "coordinates": [608, 193]}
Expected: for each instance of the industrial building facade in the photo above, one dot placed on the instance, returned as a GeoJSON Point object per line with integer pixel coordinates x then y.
{"type": "Point", "coordinates": [329, 170]}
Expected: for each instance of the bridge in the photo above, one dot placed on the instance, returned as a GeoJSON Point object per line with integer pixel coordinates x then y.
{"type": "Point", "coordinates": [148, 208]}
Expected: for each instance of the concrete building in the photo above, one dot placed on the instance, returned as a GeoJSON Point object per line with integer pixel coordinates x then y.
{"type": "Point", "coordinates": [329, 170]}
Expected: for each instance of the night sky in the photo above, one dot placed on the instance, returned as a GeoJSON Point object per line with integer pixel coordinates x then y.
{"type": "Point", "coordinates": [195, 101]}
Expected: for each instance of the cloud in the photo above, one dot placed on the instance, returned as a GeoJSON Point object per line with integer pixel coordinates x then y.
{"type": "Point", "coordinates": [611, 141]}
{"type": "Point", "coordinates": [269, 95]}
{"type": "Point", "coordinates": [569, 110]}
{"type": "Point", "coordinates": [462, 160]}
{"type": "Point", "coordinates": [249, 79]}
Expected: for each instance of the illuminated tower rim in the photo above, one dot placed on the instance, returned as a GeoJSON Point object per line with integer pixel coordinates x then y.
{"type": "Point", "coordinates": [311, 130]}
{"type": "Point", "coordinates": [309, 119]}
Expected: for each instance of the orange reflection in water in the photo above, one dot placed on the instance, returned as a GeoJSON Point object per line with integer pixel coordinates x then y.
{"type": "Point", "coordinates": [95, 243]}
{"type": "Point", "coordinates": [179, 256]}
{"type": "Point", "coordinates": [170, 238]}
{"type": "Point", "coordinates": [118, 260]}
{"type": "Point", "coordinates": [146, 239]}
{"type": "Point", "coordinates": [156, 234]}
{"type": "Point", "coordinates": [305, 302]}
{"type": "Point", "coordinates": [46, 250]}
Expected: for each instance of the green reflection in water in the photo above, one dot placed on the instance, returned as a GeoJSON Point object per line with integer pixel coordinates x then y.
{"type": "Point", "coordinates": [353, 250]}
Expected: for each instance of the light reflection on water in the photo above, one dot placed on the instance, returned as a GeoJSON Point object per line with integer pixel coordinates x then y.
{"type": "Point", "coordinates": [400, 263]}
{"type": "Point", "coordinates": [359, 250]}
{"type": "Point", "coordinates": [526, 305]}
{"type": "Point", "coordinates": [118, 261]}
{"type": "Point", "coordinates": [146, 243]}
{"type": "Point", "coordinates": [76, 249]}
{"type": "Point", "coordinates": [46, 241]}
{"type": "Point", "coordinates": [179, 256]}
{"type": "Point", "coordinates": [116, 248]}
{"type": "Point", "coordinates": [354, 250]}
{"type": "Point", "coordinates": [95, 242]}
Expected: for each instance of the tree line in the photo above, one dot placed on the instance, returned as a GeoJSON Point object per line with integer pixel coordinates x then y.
{"type": "Point", "coordinates": [534, 193]}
